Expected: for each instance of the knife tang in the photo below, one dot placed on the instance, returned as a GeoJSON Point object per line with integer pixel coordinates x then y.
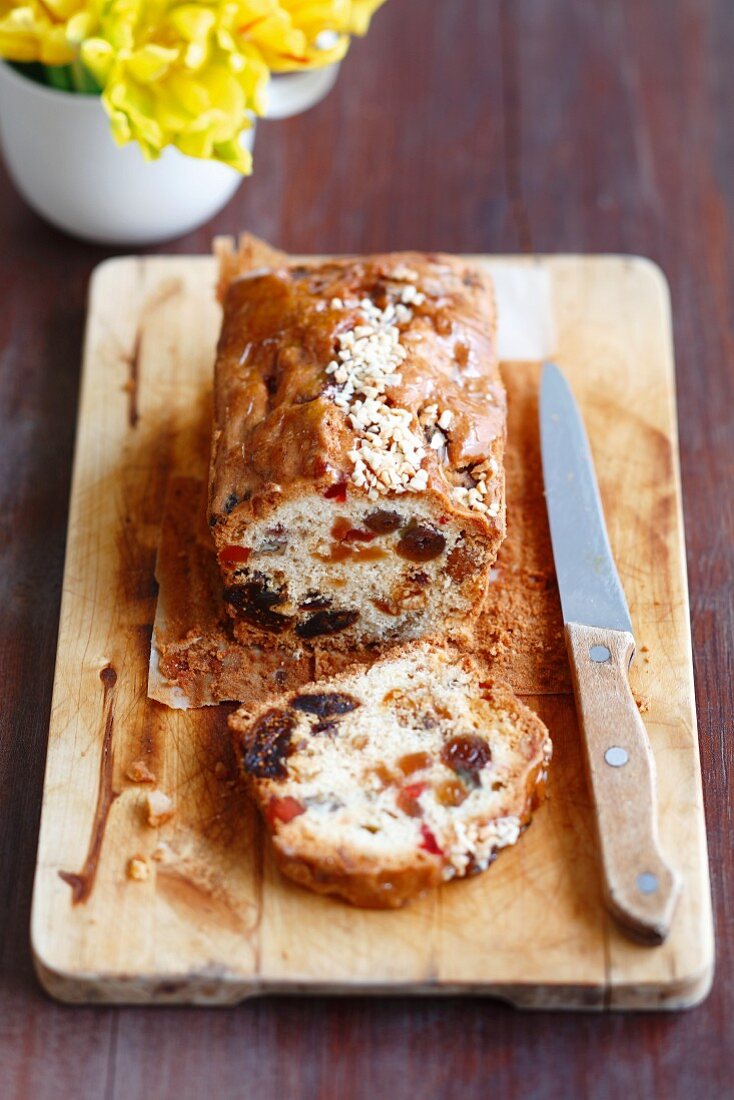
{"type": "Point", "coordinates": [640, 885]}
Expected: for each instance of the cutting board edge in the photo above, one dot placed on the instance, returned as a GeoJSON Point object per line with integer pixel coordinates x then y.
{"type": "Point", "coordinates": [222, 991]}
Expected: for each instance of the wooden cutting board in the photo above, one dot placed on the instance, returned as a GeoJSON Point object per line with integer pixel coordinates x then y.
{"type": "Point", "coordinates": [213, 922]}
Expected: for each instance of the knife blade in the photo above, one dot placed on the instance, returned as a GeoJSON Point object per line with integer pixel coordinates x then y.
{"type": "Point", "coordinates": [641, 889]}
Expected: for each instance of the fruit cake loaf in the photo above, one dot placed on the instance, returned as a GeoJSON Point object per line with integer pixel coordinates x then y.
{"type": "Point", "coordinates": [381, 783]}
{"type": "Point", "coordinates": [357, 483]}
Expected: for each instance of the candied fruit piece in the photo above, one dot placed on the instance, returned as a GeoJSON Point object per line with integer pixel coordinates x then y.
{"type": "Point", "coordinates": [234, 555]}
{"type": "Point", "coordinates": [450, 793]}
{"type": "Point", "coordinates": [407, 799]}
{"type": "Point", "coordinates": [429, 842]}
{"type": "Point", "coordinates": [344, 532]}
{"type": "Point", "coordinates": [337, 491]}
{"type": "Point", "coordinates": [283, 809]}
{"type": "Point", "coordinates": [413, 762]}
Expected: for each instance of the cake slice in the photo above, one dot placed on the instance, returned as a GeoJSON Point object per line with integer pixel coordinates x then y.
{"type": "Point", "coordinates": [357, 481]}
{"type": "Point", "coordinates": [380, 783]}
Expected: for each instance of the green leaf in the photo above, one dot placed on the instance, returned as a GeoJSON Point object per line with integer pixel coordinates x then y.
{"type": "Point", "coordinates": [59, 77]}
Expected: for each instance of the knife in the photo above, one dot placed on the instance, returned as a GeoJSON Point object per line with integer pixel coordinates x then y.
{"type": "Point", "coordinates": [641, 888]}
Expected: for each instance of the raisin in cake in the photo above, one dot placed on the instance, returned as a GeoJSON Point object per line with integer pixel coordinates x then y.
{"type": "Point", "coordinates": [380, 783]}
{"type": "Point", "coordinates": [357, 483]}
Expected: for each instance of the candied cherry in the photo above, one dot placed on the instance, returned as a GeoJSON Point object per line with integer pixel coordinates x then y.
{"type": "Point", "coordinates": [429, 842]}
{"type": "Point", "coordinates": [284, 809]}
{"type": "Point", "coordinates": [234, 555]}
{"type": "Point", "coordinates": [337, 491]}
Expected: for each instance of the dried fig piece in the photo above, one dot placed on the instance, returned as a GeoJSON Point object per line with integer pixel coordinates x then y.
{"type": "Point", "coordinates": [383, 522]}
{"type": "Point", "coordinates": [269, 745]}
{"type": "Point", "coordinates": [460, 563]}
{"type": "Point", "coordinates": [421, 543]}
{"type": "Point", "coordinates": [326, 622]}
{"type": "Point", "coordinates": [466, 754]}
{"type": "Point", "coordinates": [325, 704]}
{"type": "Point", "coordinates": [254, 602]}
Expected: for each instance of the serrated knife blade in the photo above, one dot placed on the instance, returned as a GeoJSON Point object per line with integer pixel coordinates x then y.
{"type": "Point", "coordinates": [641, 888]}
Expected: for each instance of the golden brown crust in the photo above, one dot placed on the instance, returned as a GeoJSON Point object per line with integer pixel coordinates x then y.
{"type": "Point", "coordinates": [363, 887]}
{"type": "Point", "coordinates": [277, 432]}
{"type": "Point", "coordinates": [249, 254]}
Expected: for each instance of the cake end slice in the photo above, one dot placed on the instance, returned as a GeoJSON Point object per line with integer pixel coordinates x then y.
{"type": "Point", "coordinates": [381, 783]}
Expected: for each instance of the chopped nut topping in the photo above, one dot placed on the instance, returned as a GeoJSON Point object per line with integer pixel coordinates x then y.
{"type": "Point", "coordinates": [474, 497]}
{"type": "Point", "coordinates": [159, 808]}
{"type": "Point", "coordinates": [138, 869]}
{"type": "Point", "coordinates": [401, 273]}
{"type": "Point", "coordinates": [388, 453]}
{"type": "Point", "coordinates": [139, 772]}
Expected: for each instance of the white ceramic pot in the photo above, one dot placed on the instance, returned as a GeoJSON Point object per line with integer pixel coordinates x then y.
{"type": "Point", "coordinates": [60, 154]}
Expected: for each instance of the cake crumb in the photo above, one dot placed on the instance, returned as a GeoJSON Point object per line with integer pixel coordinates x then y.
{"type": "Point", "coordinates": [162, 853]}
{"type": "Point", "coordinates": [160, 808]}
{"type": "Point", "coordinates": [139, 772]}
{"type": "Point", "coordinates": [138, 869]}
{"type": "Point", "coordinates": [221, 770]}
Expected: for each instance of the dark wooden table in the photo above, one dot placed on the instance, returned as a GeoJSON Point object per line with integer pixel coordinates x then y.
{"type": "Point", "coordinates": [469, 125]}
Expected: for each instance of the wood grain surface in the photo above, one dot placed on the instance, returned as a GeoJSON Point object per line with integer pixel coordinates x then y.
{"type": "Point", "coordinates": [472, 125]}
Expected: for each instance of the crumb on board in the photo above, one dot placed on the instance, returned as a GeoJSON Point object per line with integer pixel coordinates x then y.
{"type": "Point", "coordinates": [162, 853]}
{"type": "Point", "coordinates": [139, 772]}
{"type": "Point", "coordinates": [221, 770]}
{"type": "Point", "coordinates": [138, 869]}
{"type": "Point", "coordinates": [159, 808]}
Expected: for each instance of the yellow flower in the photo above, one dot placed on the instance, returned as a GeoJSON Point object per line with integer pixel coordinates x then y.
{"type": "Point", "coordinates": [190, 74]}
{"type": "Point", "coordinates": [35, 31]}
{"type": "Point", "coordinates": [295, 34]}
{"type": "Point", "coordinates": [175, 74]}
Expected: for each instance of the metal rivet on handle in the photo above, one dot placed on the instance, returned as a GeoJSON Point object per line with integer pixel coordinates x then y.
{"type": "Point", "coordinates": [647, 882]}
{"type": "Point", "coordinates": [599, 653]}
{"type": "Point", "coordinates": [616, 756]}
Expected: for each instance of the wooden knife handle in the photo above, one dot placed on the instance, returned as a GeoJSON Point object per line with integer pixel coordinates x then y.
{"type": "Point", "coordinates": [641, 887]}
